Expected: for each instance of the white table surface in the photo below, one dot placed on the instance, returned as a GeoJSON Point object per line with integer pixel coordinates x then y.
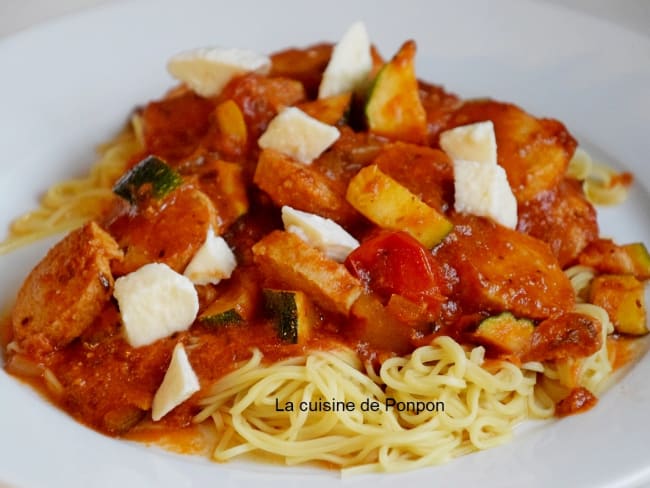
{"type": "Point", "coordinates": [16, 15]}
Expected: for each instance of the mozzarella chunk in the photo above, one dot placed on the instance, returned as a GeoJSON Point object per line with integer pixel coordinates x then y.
{"type": "Point", "coordinates": [296, 134]}
{"type": "Point", "coordinates": [180, 383]}
{"type": "Point", "coordinates": [350, 64]}
{"type": "Point", "coordinates": [323, 234]}
{"type": "Point", "coordinates": [155, 301]}
{"type": "Point", "coordinates": [473, 142]}
{"type": "Point", "coordinates": [483, 189]}
{"type": "Point", "coordinates": [213, 261]}
{"type": "Point", "coordinates": [207, 70]}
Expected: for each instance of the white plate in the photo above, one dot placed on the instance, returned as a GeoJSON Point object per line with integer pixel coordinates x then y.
{"type": "Point", "coordinates": [68, 85]}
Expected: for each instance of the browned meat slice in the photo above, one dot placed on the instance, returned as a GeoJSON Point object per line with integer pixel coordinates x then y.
{"type": "Point", "coordinates": [439, 106]}
{"type": "Point", "coordinates": [65, 292]}
{"type": "Point", "coordinates": [288, 182]}
{"type": "Point", "coordinates": [427, 173]}
{"type": "Point", "coordinates": [305, 65]}
{"type": "Point", "coordinates": [566, 336]}
{"type": "Point", "coordinates": [288, 262]}
{"type": "Point", "coordinates": [260, 98]}
{"type": "Point", "coordinates": [534, 152]}
{"type": "Point", "coordinates": [499, 269]}
{"type": "Point", "coordinates": [167, 232]}
{"type": "Point", "coordinates": [563, 218]}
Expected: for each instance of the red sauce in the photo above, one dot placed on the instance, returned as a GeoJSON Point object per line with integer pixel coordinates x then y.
{"type": "Point", "coordinates": [579, 400]}
{"type": "Point", "coordinates": [622, 351]}
{"type": "Point", "coordinates": [100, 379]}
{"type": "Point", "coordinates": [192, 439]}
{"type": "Point", "coordinates": [623, 179]}
{"type": "Point", "coordinates": [481, 268]}
{"type": "Point", "coordinates": [6, 332]}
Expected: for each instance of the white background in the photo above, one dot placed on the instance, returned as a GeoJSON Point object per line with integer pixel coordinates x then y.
{"type": "Point", "coordinates": [16, 15]}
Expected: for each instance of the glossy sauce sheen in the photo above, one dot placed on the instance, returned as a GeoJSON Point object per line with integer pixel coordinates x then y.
{"type": "Point", "coordinates": [479, 269]}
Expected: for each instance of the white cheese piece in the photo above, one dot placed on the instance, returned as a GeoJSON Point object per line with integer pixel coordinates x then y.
{"type": "Point", "coordinates": [296, 134]}
{"type": "Point", "coordinates": [207, 70]}
{"type": "Point", "coordinates": [213, 261]}
{"type": "Point", "coordinates": [324, 234]}
{"type": "Point", "coordinates": [155, 301]}
{"type": "Point", "coordinates": [350, 64]}
{"type": "Point", "coordinates": [180, 383]}
{"type": "Point", "coordinates": [473, 142]}
{"type": "Point", "coordinates": [483, 189]}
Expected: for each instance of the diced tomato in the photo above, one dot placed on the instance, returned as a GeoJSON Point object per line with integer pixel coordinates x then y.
{"type": "Point", "coordinates": [395, 263]}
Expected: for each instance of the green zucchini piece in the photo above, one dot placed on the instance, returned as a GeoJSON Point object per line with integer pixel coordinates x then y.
{"type": "Point", "coordinates": [640, 259]}
{"type": "Point", "coordinates": [623, 298]}
{"type": "Point", "coordinates": [222, 317]}
{"type": "Point", "coordinates": [393, 108]}
{"type": "Point", "coordinates": [293, 313]}
{"type": "Point", "coordinates": [236, 305]}
{"type": "Point", "coordinates": [391, 205]}
{"type": "Point", "coordinates": [506, 332]}
{"type": "Point", "coordinates": [153, 172]}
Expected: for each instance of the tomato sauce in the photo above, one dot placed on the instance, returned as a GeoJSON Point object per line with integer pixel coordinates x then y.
{"type": "Point", "coordinates": [622, 351]}
{"type": "Point", "coordinates": [409, 295]}
{"type": "Point", "coordinates": [577, 401]}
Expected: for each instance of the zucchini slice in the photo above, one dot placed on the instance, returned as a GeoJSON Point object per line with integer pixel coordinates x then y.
{"type": "Point", "coordinates": [294, 314]}
{"type": "Point", "coordinates": [217, 314]}
{"type": "Point", "coordinates": [640, 259]}
{"type": "Point", "coordinates": [394, 108]}
{"type": "Point", "coordinates": [150, 177]}
{"type": "Point", "coordinates": [392, 206]}
{"type": "Point", "coordinates": [288, 262]}
{"type": "Point", "coordinates": [610, 258]}
{"type": "Point", "coordinates": [623, 298]}
{"type": "Point", "coordinates": [506, 333]}
{"type": "Point", "coordinates": [236, 305]}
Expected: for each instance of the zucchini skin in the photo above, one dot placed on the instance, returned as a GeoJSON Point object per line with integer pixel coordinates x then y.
{"type": "Point", "coordinates": [293, 312]}
{"type": "Point", "coordinates": [623, 298]}
{"type": "Point", "coordinates": [392, 206]}
{"type": "Point", "coordinates": [393, 107]}
{"type": "Point", "coordinates": [153, 170]}
{"type": "Point", "coordinates": [235, 306]}
{"type": "Point", "coordinates": [506, 332]}
{"type": "Point", "coordinates": [227, 317]}
{"type": "Point", "coordinates": [282, 304]}
{"type": "Point", "coordinates": [640, 258]}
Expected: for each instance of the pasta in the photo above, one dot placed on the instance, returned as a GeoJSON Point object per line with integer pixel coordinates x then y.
{"type": "Point", "coordinates": [336, 296]}
{"type": "Point", "coordinates": [602, 185]}
{"type": "Point", "coordinates": [480, 405]}
{"type": "Point", "coordinates": [480, 408]}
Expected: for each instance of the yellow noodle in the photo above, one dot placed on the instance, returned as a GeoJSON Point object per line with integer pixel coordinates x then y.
{"type": "Point", "coordinates": [590, 372]}
{"type": "Point", "coordinates": [473, 407]}
{"type": "Point", "coordinates": [477, 408]}
{"type": "Point", "coordinates": [604, 194]}
{"type": "Point", "coordinates": [580, 278]}
{"type": "Point", "coordinates": [596, 179]}
{"type": "Point", "coordinates": [470, 408]}
{"type": "Point", "coordinates": [580, 165]}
